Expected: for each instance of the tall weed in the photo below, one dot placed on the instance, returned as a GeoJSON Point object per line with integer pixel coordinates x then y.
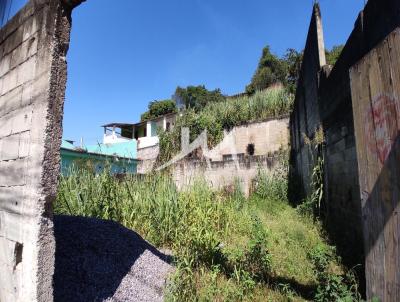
{"type": "Point", "coordinates": [226, 247]}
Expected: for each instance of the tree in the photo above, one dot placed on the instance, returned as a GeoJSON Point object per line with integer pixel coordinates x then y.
{"type": "Point", "coordinates": [293, 59]}
{"type": "Point", "coordinates": [197, 97]}
{"type": "Point", "coordinates": [271, 70]}
{"type": "Point", "coordinates": [285, 70]}
{"type": "Point", "coordinates": [159, 108]}
{"type": "Point", "coordinates": [333, 55]}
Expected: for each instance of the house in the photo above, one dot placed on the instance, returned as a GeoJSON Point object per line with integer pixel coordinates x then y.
{"type": "Point", "coordinates": [144, 132]}
{"type": "Point", "coordinates": [120, 157]}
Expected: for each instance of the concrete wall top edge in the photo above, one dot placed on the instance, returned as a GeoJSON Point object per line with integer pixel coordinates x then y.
{"type": "Point", "coordinates": [369, 30]}
{"type": "Point", "coordinates": [29, 9]}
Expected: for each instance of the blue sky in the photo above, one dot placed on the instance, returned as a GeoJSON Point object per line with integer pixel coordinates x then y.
{"type": "Point", "coordinates": [125, 53]}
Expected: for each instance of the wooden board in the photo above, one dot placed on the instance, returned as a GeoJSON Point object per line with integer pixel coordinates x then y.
{"type": "Point", "coordinates": [375, 87]}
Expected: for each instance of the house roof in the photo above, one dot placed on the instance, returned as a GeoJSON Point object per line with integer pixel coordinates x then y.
{"type": "Point", "coordinates": [67, 145]}
{"type": "Point", "coordinates": [126, 150]}
{"type": "Point", "coordinates": [119, 125]}
{"type": "Point", "coordinates": [125, 125]}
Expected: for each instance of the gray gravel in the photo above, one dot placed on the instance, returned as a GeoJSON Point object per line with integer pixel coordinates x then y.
{"type": "Point", "coordinates": [99, 260]}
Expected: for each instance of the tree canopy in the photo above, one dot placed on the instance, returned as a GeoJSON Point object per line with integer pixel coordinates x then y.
{"type": "Point", "coordinates": [196, 97]}
{"type": "Point", "coordinates": [159, 108]}
{"type": "Point", "coordinates": [293, 60]}
{"type": "Point", "coordinates": [285, 70]}
{"type": "Point", "coordinates": [271, 70]}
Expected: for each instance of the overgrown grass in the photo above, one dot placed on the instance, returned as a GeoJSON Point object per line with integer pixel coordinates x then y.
{"type": "Point", "coordinates": [226, 248]}
{"type": "Point", "coordinates": [217, 116]}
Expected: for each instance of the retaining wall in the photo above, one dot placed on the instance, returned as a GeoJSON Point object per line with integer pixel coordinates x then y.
{"type": "Point", "coordinates": [147, 158]}
{"type": "Point", "coordinates": [225, 173]}
{"type": "Point", "coordinates": [266, 136]}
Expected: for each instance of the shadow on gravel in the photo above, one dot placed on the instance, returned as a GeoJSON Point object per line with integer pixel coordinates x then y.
{"type": "Point", "coordinates": [99, 260]}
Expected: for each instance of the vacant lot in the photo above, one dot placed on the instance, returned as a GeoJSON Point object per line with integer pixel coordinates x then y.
{"type": "Point", "coordinates": [225, 247]}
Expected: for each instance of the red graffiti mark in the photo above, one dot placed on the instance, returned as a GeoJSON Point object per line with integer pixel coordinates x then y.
{"type": "Point", "coordinates": [380, 125]}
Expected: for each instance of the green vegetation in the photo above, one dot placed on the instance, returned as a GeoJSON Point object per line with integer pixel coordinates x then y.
{"type": "Point", "coordinates": [159, 108]}
{"type": "Point", "coordinates": [226, 248]}
{"type": "Point", "coordinates": [271, 70]}
{"type": "Point", "coordinates": [285, 70]}
{"type": "Point", "coordinates": [333, 55]}
{"type": "Point", "coordinates": [197, 97]}
{"type": "Point", "coordinates": [293, 60]}
{"type": "Point", "coordinates": [217, 116]}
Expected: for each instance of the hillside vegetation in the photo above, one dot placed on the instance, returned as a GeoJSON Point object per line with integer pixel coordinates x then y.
{"type": "Point", "coordinates": [226, 248]}
{"type": "Point", "coordinates": [273, 69]}
{"type": "Point", "coordinates": [226, 114]}
{"type": "Point", "coordinates": [158, 108]}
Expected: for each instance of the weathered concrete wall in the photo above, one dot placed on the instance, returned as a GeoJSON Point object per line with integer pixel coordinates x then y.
{"type": "Point", "coordinates": [374, 23]}
{"type": "Point", "coordinates": [334, 104]}
{"type": "Point", "coordinates": [33, 45]}
{"type": "Point", "coordinates": [375, 86]}
{"type": "Point", "coordinates": [147, 158]}
{"type": "Point", "coordinates": [267, 137]}
{"type": "Point", "coordinates": [226, 173]}
{"type": "Point", "coordinates": [305, 119]}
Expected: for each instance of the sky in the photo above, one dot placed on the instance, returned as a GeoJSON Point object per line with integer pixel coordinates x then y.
{"type": "Point", "coordinates": [126, 53]}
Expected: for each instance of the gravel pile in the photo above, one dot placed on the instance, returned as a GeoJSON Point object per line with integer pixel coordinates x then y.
{"type": "Point", "coordinates": [99, 260]}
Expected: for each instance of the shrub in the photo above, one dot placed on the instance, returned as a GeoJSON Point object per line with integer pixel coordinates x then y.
{"type": "Point", "coordinates": [332, 286]}
{"type": "Point", "coordinates": [272, 185]}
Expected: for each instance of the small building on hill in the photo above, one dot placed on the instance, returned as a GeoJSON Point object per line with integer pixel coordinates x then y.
{"type": "Point", "coordinates": [145, 133]}
{"type": "Point", "coordinates": [119, 157]}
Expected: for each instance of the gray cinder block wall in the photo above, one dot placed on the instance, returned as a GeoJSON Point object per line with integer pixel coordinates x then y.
{"type": "Point", "coordinates": [225, 174]}
{"type": "Point", "coordinates": [266, 136]}
{"type": "Point", "coordinates": [305, 119]}
{"type": "Point", "coordinates": [229, 161]}
{"type": "Point", "coordinates": [33, 46]}
{"type": "Point", "coordinates": [334, 104]}
{"type": "Point", "coordinates": [147, 159]}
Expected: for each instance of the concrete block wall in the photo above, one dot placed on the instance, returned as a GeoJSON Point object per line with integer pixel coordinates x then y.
{"type": "Point", "coordinates": [266, 136]}
{"type": "Point", "coordinates": [220, 168]}
{"type": "Point", "coordinates": [378, 19]}
{"type": "Point", "coordinates": [305, 119]}
{"type": "Point", "coordinates": [147, 158]}
{"type": "Point", "coordinates": [331, 91]}
{"type": "Point", "coordinates": [33, 46]}
{"type": "Point", "coordinates": [342, 199]}
{"type": "Point", "coordinates": [226, 173]}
